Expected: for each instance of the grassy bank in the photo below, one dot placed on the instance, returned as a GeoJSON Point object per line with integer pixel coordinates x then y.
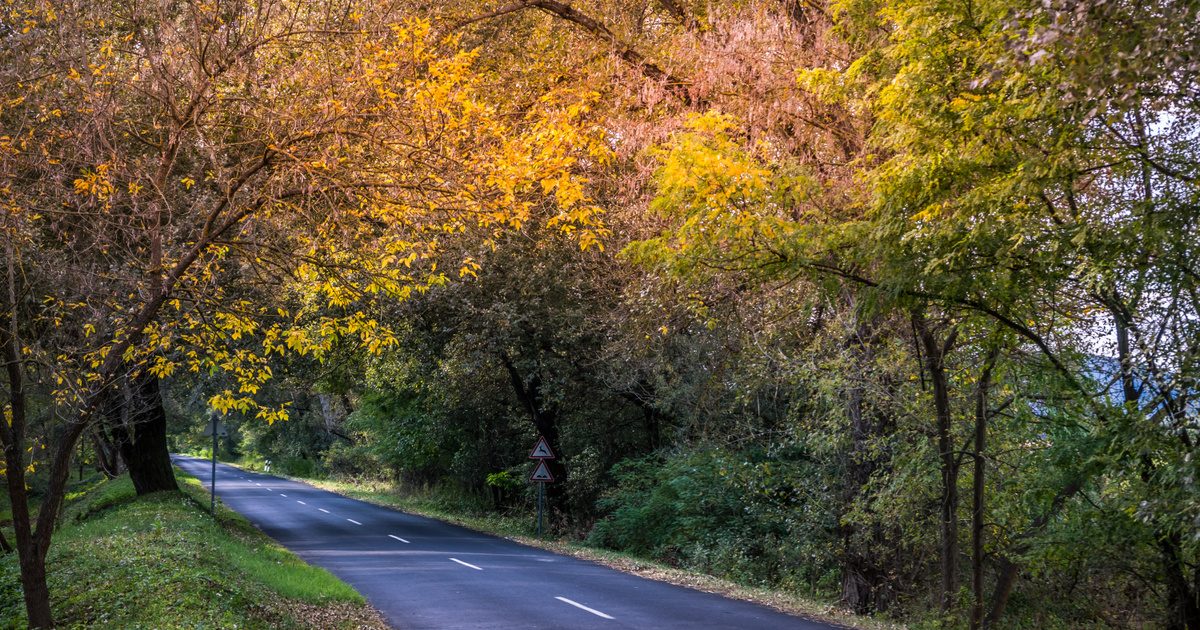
{"type": "Point", "coordinates": [462, 511]}
{"type": "Point", "coordinates": [160, 561]}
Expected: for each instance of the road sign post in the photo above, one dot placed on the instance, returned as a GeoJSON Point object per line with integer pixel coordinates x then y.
{"type": "Point", "coordinates": [541, 475]}
{"type": "Point", "coordinates": [216, 429]}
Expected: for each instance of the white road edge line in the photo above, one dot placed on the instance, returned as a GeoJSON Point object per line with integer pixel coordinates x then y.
{"type": "Point", "coordinates": [354, 521]}
{"type": "Point", "coordinates": [325, 511]}
{"type": "Point", "coordinates": [466, 564]}
{"type": "Point", "coordinates": [582, 607]}
{"type": "Point", "coordinates": [397, 538]}
{"type": "Point", "coordinates": [301, 502]}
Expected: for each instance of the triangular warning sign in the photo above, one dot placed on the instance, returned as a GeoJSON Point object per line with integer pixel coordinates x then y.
{"type": "Point", "coordinates": [541, 473]}
{"type": "Point", "coordinates": [541, 450]}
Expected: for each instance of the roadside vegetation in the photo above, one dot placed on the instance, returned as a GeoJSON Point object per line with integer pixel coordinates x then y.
{"type": "Point", "coordinates": [160, 561]}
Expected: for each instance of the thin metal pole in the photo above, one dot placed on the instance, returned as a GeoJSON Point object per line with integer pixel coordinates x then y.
{"type": "Point", "coordinates": [213, 506]}
{"type": "Point", "coordinates": [541, 493]}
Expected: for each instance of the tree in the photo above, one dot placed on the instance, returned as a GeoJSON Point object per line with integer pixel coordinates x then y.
{"type": "Point", "coordinates": [167, 157]}
{"type": "Point", "coordinates": [1019, 142]}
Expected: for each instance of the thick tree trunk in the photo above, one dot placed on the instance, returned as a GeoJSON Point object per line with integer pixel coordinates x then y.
{"type": "Point", "coordinates": [134, 425]}
{"type": "Point", "coordinates": [652, 418]}
{"type": "Point", "coordinates": [30, 557]}
{"type": "Point", "coordinates": [145, 450]}
{"type": "Point", "coordinates": [859, 575]}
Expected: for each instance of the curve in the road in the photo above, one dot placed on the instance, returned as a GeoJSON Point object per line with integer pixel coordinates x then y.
{"type": "Point", "coordinates": [424, 573]}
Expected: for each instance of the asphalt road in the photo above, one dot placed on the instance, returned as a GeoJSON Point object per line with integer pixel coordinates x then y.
{"type": "Point", "coordinates": [423, 573]}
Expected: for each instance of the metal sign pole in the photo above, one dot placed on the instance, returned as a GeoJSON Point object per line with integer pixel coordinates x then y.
{"type": "Point", "coordinates": [541, 474]}
{"type": "Point", "coordinates": [541, 493]}
{"type": "Point", "coordinates": [213, 502]}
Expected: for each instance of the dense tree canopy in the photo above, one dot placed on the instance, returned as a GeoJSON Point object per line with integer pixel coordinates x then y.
{"type": "Point", "coordinates": [893, 302]}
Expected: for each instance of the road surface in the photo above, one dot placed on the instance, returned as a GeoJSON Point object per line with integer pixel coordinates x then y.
{"type": "Point", "coordinates": [423, 573]}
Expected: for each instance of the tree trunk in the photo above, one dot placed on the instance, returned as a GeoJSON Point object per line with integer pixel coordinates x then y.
{"type": "Point", "coordinates": [977, 490]}
{"type": "Point", "coordinates": [37, 593]}
{"type": "Point", "coordinates": [108, 460]}
{"type": "Point", "coordinates": [31, 559]}
{"type": "Point", "coordinates": [865, 576]}
{"type": "Point", "coordinates": [529, 394]}
{"type": "Point", "coordinates": [1183, 603]}
{"type": "Point", "coordinates": [935, 352]}
{"type": "Point", "coordinates": [1009, 569]}
{"type": "Point", "coordinates": [30, 553]}
{"type": "Point", "coordinates": [134, 427]}
{"type": "Point", "coordinates": [1006, 579]}
{"type": "Point", "coordinates": [145, 451]}
{"type": "Point", "coordinates": [652, 418]}
{"type": "Point", "coordinates": [858, 571]}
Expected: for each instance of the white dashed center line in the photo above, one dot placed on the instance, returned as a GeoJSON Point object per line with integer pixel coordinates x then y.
{"type": "Point", "coordinates": [301, 502]}
{"type": "Point", "coordinates": [466, 564]}
{"type": "Point", "coordinates": [270, 490]}
{"type": "Point", "coordinates": [354, 521]}
{"type": "Point", "coordinates": [582, 607]}
{"type": "Point", "coordinates": [324, 510]}
{"type": "Point", "coordinates": [283, 495]}
{"type": "Point", "coordinates": [397, 538]}
{"type": "Point", "coordinates": [257, 484]}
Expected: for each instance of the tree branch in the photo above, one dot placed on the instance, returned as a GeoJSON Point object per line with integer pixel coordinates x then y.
{"type": "Point", "coordinates": [676, 86]}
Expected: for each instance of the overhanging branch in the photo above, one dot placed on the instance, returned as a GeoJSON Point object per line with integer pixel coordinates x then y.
{"type": "Point", "coordinates": [598, 30]}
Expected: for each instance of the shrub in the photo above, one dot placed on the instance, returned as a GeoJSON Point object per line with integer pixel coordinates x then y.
{"type": "Point", "coordinates": [743, 516]}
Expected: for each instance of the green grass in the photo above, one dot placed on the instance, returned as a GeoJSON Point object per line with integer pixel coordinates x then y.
{"type": "Point", "coordinates": [260, 558]}
{"type": "Point", "coordinates": [160, 561]}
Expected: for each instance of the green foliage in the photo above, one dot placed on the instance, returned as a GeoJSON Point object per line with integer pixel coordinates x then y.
{"type": "Point", "coordinates": [503, 480]}
{"type": "Point", "coordinates": [403, 434]}
{"type": "Point", "coordinates": [728, 513]}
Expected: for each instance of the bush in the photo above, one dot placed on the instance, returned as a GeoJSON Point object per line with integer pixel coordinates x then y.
{"type": "Point", "coordinates": [402, 435]}
{"type": "Point", "coordinates": [300, 467]}
{"type": "Point", "coordinates": [742, 516]}
{"type": "Point", "coordinates": [349, 460]}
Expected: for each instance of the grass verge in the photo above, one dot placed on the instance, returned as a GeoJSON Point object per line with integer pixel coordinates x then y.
{"type": "Point", "coordinates": [521, 530]}
{"type": "Point", "coordinates": [160, 561]}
